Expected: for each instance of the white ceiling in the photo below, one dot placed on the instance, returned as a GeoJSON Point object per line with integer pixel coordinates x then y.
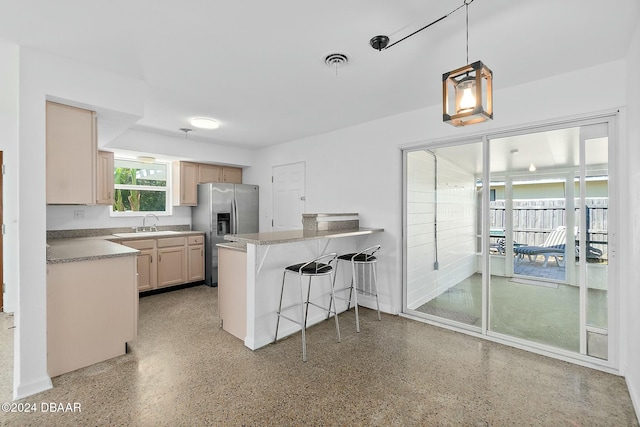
{"type": "Point", "coordinates": [257, 66]}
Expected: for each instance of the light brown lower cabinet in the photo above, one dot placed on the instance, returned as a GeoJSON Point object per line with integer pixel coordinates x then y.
{"type": "Point", "coordinates": [195, 258]}
{"type": "Point", "coordinates": [146, 263]}
{"type": "Point", "coordinates": [168, 261]}
{"type": "Point", "coordinates": [232, 291]}
{"type": "Point", "coordinates": [92, 311]}
{"type": "Point", "coordinates": [172, 262]}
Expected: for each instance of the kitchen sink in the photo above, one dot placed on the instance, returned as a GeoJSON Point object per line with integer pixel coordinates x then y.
{"type": "Point", "coordinates": [147, 233]}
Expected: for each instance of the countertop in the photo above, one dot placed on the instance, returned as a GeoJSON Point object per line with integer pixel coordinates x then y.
{"type": "Point", "coordinates": [84, 249]}
{"type": "Point", "coordinates": [279, 237]}
{"type": "Point", "coordinates": [234, 246]}
{"type": "Point", "coordinates": [75, 249]}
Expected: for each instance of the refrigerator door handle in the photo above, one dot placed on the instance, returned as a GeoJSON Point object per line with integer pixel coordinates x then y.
{"type": "Point", "coordinates": [234, 214]}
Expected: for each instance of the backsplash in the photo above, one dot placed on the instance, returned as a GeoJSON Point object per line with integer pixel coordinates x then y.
{"type": "Point", "coordinates": [65, 217]}
{"type": "Point", "coordinates": [95, 232]}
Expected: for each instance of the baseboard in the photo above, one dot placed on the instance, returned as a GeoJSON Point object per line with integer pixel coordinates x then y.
{"type": "Point", "coordinates": [634, 393]}
{"type": "Point", "coordinates": [37, 386]}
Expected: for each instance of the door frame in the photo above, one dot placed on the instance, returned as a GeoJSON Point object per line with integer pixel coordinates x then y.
{"type": "Point", "coordinates": [612, 120]}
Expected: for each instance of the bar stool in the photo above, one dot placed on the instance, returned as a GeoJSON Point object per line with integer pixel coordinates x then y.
{"type": "Point", "coordinates": [317, 267]}
{"type": "Point", "coordinates": [364, 258]}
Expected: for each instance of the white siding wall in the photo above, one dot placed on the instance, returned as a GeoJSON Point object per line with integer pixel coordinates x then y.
{"type": "Point", "coordinates": [456, 227]}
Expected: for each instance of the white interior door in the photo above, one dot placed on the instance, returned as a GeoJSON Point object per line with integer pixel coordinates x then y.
{"type": "Point", "coordinates": [288, 196]}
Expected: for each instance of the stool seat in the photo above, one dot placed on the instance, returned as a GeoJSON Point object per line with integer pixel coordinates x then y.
{"type": "Point", "coordinates": [357, 257]}
{"type": "Point", "coordinates": [312, 268]}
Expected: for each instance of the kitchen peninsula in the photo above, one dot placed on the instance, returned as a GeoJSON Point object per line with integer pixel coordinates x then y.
{"type": "Point", "coordinates": [266, 256]}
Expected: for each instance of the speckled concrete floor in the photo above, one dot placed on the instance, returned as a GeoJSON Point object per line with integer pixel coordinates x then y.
{"type": "Point", "coordinates": [184, 370]}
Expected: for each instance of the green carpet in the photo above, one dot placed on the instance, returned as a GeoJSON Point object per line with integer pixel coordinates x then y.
{"type": "Point", "coordinates": [542, 314]}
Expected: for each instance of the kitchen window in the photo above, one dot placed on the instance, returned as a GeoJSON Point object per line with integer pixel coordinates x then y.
{"type": "Point", "coordinates": [140, 187]}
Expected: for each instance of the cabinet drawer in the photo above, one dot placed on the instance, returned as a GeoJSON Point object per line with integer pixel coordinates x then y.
{"type": "Point", "coordinates": [140, 244]}
{"type": "Point", "coordinates": [196, 240]}
{"type": "Point", "coordinates": [171, 241]}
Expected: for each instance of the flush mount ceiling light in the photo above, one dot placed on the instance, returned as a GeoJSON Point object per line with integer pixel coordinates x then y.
{"type": "Point", "coordinates": [467, 92]}
{"type": "Point", "coordinates": [204, 123]}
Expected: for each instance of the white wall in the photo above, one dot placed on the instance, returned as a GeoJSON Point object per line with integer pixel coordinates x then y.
{"type": "Point", "coordinates": [629, 249]}
{"type": "Point", "coordinates": [9, 69]}
{"type": "Point", "coordinates": [180, 147]}
{"type": "Point", "coordinates": [43, 76]}
{"type": "Point", "coordinates": [63, 218]}
{"type": "Point", "coordinates": [359, 169]}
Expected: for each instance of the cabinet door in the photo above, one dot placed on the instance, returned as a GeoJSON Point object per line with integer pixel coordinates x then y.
{"type": "Point", "coordinates": [105, 178]}
{"type": "Point", "coordinates": [171, 266]}
{"type": "Point", "coordinates": [146, 270]}
{"type": "Point", "coordinates": [185, 184]}
{"type": "Point", "coordinates": [147, 263]}
{"type": "Point", "coordinates": [232, 175]}
{"type": "Point", "coordinates": [71, 147]}
{"type": "Point", "coordinates": [196, 263]}
{"type": "Point", "coordinates": [209, 173]}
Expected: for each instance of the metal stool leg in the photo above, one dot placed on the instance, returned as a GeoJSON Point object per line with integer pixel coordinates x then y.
{"type": "Point", "coordinates": [304, 308]}
{"type": "Point", "coordinates": [335, 306]}
{"type": "Point", "coordinates": [354, 284]}
{"type": "Point", "coordinates": [279, 306]}
{"type": "Point", "coordinates": [374, 286]}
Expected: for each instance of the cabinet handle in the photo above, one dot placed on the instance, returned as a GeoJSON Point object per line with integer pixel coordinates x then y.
{"type": "Point", "coordinates": [201, 252]}
{"type": "Point", "coordinates": [159, 258]}
{"type": "Point", "coordinates": [151, 262]}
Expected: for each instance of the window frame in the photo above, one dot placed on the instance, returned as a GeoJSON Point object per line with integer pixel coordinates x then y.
{"type": "Point", "coordinates": [168, 211]}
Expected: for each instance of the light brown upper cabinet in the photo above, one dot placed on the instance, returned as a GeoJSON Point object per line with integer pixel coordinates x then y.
{"type": "Point", "coordinates": [215, 173]}
{"type": "Point", "coordinates": [71, 155]}
{"type": "Point", "coordinates": [187, 176]}
{"type": "Point", "coordinates": [185, 184]}
{"type": "Point", "coordinates": [232, 175]}
{"type": "Point", "coordinates": [209, 173]}
{"type": "Point", "coordinates": [105, 178]}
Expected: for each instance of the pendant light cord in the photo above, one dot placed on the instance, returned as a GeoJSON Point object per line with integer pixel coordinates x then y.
{"type": "Point", "coordinates": [465, 3]}
{"type": "Point", "coordinates": [467, 25]}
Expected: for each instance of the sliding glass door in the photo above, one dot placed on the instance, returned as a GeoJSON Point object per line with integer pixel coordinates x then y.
{"type": "Point", "coordinates": [507, 236]}
{"type": "Point", "coordinates": [442, 263]}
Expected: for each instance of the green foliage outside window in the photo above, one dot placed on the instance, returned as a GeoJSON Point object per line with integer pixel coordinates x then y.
{"type": "Point", "coordinates": [134, 184]}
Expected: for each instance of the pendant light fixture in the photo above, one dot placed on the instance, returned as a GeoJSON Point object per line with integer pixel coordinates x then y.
{"type": "Point", "coordinates": [467, 92]}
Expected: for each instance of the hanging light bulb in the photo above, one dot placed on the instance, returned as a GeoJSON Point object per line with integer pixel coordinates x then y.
{"type": "Point", "coordinates": [465, 95]}
{"type": "Point", "coordinates": [532, 167]}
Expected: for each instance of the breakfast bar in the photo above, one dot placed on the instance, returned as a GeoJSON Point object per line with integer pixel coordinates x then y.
{"type": "Point", "coordinates": [266, 256]}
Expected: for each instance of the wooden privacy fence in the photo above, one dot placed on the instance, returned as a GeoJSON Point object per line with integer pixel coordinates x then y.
{"type": "Point", "coordinates": [533, 220]}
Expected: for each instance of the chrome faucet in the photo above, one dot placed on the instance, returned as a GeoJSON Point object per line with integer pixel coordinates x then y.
{"type": "Point", "coordinates": [153, 227]}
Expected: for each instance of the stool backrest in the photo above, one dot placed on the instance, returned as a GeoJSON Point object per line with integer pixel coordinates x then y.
{"type": "Point", "coordinates": [366, 254]}
{"type": "Point", "coordinates": [321, 263]}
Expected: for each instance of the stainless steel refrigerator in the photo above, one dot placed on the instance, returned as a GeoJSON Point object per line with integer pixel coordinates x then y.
{"type": "Point", "coordinates": [223, 209]}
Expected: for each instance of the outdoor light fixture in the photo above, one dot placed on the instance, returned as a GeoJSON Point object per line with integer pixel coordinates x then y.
{"type": "Point", "coordinates": [467, 93]}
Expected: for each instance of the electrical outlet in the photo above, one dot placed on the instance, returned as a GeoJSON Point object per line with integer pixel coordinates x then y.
{"type": "Point", "coordinates": [78, 214]}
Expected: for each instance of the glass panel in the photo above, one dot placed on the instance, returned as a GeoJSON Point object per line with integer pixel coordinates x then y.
{"type": "Point", "coordinates": [443, 273]}
{"type": "Point", "coordinates": [596, 245]}
{"type": "Point", "coordinates": [140, 200]}
{"type": "Point", "coordinates": [139, 186]}
{"type": "Point", "coordinates": [529, 297]}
